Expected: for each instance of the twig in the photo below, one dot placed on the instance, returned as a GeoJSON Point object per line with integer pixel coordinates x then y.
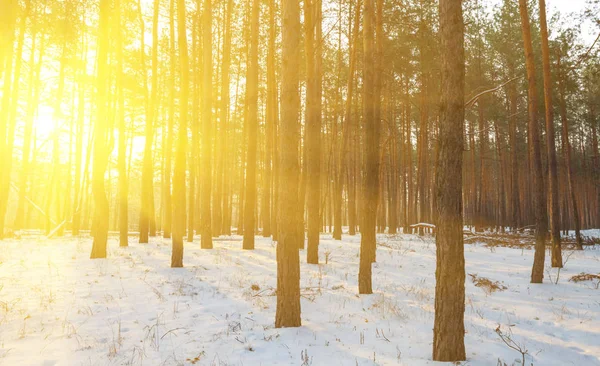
{"type": "Point", "coordinates": [475, 98]}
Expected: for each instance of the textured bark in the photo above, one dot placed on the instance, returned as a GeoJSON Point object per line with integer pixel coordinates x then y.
{"type": "Point", "coordinates": [348, 161]}
{"type": "Point", "coordinates": [147, 195]}
{"type": "Point", "coordinates": [251, 122]}
{"type": "Point", "coordinates": [423, 144]}
{"type": "Point", "coordinates": [480, 212]}
{"type": "Point", "coordinates": [179, 172]}
{"type": "Point", "coordinates": [370, 185]}
{"type": "Point", "coordinates": [195, 65]}
{"type": "Point", "coordinates": [567, 155]}
{"type": "Point", "coordinates": [514, 162]}
{"type": "Point", "coordinates": [410, 217]}
{"type": "Point", "coordinates": [537, 179]}
{"type": "Point", "coordinates": [288, 257]}
{"type": "Point", "coordinates": [554, 213]}
{"type": "Point", "coordinates": [338, 139]}
{"type": "Point", "coordinates": [101, 153]}
{"type": "Point", "coordinates": [220, 223]}
{"type": "Point", "coordinates": [167, 197]}
{"type": "Point", "coordinates": [206, 168]}
{"type": "Point", "coordinates": [449, 328]}
{"type": "Point", "coordinates": [272, 120]}
{"type": "Point", "coordinates": [313, 128]}
{"type": "Point", "coordinates": [122, 149]}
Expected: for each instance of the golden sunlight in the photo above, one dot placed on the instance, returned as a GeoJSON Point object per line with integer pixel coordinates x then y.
{"type": "Point", "coordinates": [185, 182]}
{"type": "Point", "coordinates": [44, 124]}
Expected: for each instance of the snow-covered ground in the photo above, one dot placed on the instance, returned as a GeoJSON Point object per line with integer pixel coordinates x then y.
{"type": "Point", "coordinates": [57, 307]}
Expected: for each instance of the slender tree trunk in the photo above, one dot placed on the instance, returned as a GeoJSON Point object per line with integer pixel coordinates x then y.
{"type": "Point", "coordinates": [252, 129]}
{"type": "Point", "coordinates": [206, 229]}
{"type": "Point", "coordinates": [79, 186]}
{"type": "Point", "coordinates": [449, 328]}
{"type": "Point", "coordinates": [34, 85]}
{"type": "Point", "coordinates": [554, 213]}
{"type": "Point", "coordinates": [567, 154]}
{"type": "Point", "coordinates": [370, 195]}
{"type": "Point", "coordinates": [8, 112]}
{"type": "Point", "coordinates": [313, 130]}
{"type": "Point", "coordinates": [101, 151]}
{"type": "Point", "coordinates": [537, 179]}
{"type": "Point", "coordinates": [122, 149]}
{"type": "Point", "coordinates": [423, 145]}
{"type": "Point", "coordinates": [512, 137]}
{"type": "Point", "coordinates": [168, 207]}
{"type": "Point", "coordinates": [222, 182]}
{"type": "Point", "coordinates": [272, 120]}
{"type": "Point", "coordinates": [147, 196]}
{"type": "Point", "coordinates": [349, 124]}
{"type": "Point", "coordinates": [196, 64]}
{"type": "Point", "coordinates": [288, 257]}
{"type": "Point", "coordinates": [179, 186]}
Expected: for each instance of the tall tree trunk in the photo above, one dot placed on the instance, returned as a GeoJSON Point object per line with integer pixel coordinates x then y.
{"type": "Point", "coordinates": [101, 149]}
{"type": "Point", "coordinates": [567, 154]}
{"type": "Point", "coordinates": [196, 64]}
{"type": "Point", "coordinates": [537, 179]}
{"type": "Point", "coordinates": [272, 120]}
{"type": "Point", "coordinates": [512, 137]}
{"type": "Point", "coordinates": [252, 129]}
{"type": "Point", "coordinates": [79, 186]}
{"type": "Point", "coordinates": [480, 212]}
{"type": "Point", "coordinates": [206, 229]}
{"type": "Point", "coordinates": [288, 257]}
{"type": "Point", "coordinates": [179, 173]}
{"type": "Point", "coordinates": [449, 328]}
{"type": "Point", "coordinates": [348, 161]}
{"type": "Point", "coordinates": [34, 85]}
{"type": "Point", "coordinates": [167, 197]}
{"type": "Point", "coordinates": [10, 98]}
{"type": "Point", "coordinates": [554, 213]}
{"type": "Point", "coordinates": [312, 140]}
{"type": "Point", "coordinates": [423, 145]}
{"type": "Point", "coordinates": [221, 190]}
{"type": "Point", "coordinates": [370, 189]}
{"type": "Point", "coordinates": [147, 211]}
{"type": "Point", "coordinates": [122, 149]}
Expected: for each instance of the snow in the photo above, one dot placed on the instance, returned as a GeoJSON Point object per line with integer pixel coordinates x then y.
{"type": "Point", "coordinates": [57, 307]}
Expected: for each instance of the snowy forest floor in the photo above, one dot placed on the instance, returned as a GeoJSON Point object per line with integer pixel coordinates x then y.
{"type": "Point", "coordinates": [57, 307]}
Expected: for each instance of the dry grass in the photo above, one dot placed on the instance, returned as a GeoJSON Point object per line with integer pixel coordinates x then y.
{"type": "Point", "coordinates": [582, 277]}
{"type": "Point", "coordinates": [486, 284]}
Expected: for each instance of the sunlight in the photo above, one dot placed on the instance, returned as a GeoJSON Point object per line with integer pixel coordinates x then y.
{"type": "Point", "coordinates": [299, 182]}
{"type": "Point", "coordinates": [44, 124]}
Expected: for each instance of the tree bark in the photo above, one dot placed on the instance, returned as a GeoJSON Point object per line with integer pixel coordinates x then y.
{"type": "Point", "coordinates": [101, 150]}
{"type": "Point", "coordinates": [313, 128]}
{"type": "Point", "coordinates": [554, 213]}
{"type": "Point", "coordinates": [252, 129]}
{"type": "Point", "coordinates": [179, 173]}
{"type": "Point", "coordinates": [537, 179]}
{"type": "Point", "coordinates": [147, 195]}
{"type": "Point", "coordinates": [288, 257]}
{"type": "Point", "coordinates": [370, 186]}
{"type": "Point", "coordinates": [449, 328]}
{"type": "Point", "coordinates": [567, 154]}
{"type": "Point", "coordinates": [206, 219]}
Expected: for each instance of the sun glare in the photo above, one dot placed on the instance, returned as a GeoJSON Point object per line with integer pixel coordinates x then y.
{"type": "Point", "coordinates": [44, 123]}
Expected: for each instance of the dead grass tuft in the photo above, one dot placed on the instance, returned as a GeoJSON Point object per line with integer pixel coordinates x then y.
{"type": "Point", "coordinates": [587, 277]}
{"type": "Point", "coordinates": [486, 284]}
